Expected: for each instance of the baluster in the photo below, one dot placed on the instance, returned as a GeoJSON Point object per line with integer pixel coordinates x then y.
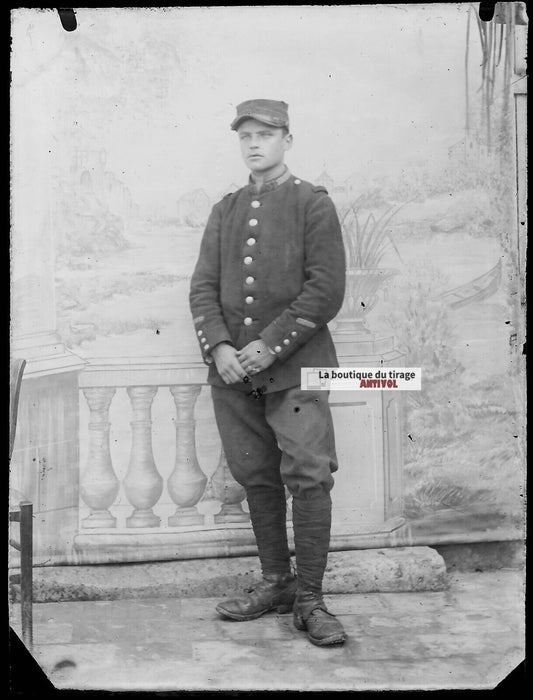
{"type": "Point", "coordinates": [99, 484]}
{"type": "Point", "coordinates": [143, 483]}
{"type": "Point", "coordinates": [208, 495]}
{"type": "Point", "coordinates": [187, 482]}
{"type": "Point", "coordinates": [229, 492]}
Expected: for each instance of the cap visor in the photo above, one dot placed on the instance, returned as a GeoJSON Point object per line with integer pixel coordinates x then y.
{"type": "Point", "coordinates": [258, 118]}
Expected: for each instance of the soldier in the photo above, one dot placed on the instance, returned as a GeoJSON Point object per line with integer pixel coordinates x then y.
{"type": "Point", "coordinates": [269, 277]}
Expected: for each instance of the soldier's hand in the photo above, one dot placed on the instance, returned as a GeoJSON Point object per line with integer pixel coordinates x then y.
{"type": "Point", "coordinates": [228, 366]}
{"type": "Point", "coordinates": [255, 357]}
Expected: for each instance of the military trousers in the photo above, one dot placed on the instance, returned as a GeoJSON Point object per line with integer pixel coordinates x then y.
{"type": "Point", "coordinates": [280, 438]}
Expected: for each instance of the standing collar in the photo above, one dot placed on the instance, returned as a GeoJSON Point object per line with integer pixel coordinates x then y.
{"type": "Point", "coordinates": [269, 185]}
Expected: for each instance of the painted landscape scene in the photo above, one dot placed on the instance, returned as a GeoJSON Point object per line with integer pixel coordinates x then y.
{"type": "Point", "coordinates": [424, 164]}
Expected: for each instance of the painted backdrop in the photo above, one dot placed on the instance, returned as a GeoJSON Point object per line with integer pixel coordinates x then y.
{"type": "Point", "coordinates": [404, 112]}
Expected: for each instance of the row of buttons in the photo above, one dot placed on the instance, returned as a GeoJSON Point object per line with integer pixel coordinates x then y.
{"type": "Point", "coordinates": [203, 340]}
{"type": "Point", "coordinates": [286, 341]}
{"type": "Point", "coordinates": [248, 260]}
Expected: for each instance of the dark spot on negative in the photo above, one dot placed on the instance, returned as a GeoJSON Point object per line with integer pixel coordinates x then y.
{"type": "Point", "coordinates": [296, 409]}
{"type": "Point", "coordinates": [486, 11]}
{"type": "Point", "coordinates": [67, 17]}
{"type": "Point", "coordinates": [64, 663]}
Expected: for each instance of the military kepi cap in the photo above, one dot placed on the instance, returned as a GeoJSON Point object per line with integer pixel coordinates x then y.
{"type": "Point", "coordinates": [270, 112]}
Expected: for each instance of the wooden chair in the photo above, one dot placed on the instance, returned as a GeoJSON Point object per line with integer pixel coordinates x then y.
{"type": "Point", "coordinates": [21, 511]}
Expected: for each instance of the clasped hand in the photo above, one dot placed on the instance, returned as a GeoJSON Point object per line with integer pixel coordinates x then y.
{"type": "Point", "coordinates": [234, 365]}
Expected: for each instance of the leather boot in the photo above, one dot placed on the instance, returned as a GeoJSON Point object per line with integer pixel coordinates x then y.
{"type": "Point", "coordinates": [275, 591]}
{"type": "Point", "coordinates": [312, 615]}
{"type": "Point", "coordinates": [311, 519]}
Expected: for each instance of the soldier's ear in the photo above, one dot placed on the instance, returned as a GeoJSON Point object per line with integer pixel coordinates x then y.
{"type": "Point", "coordinates": [287, 141]}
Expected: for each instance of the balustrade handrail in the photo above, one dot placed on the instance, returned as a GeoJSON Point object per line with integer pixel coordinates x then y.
{"type": "Point", "coordinates": [124, 371]}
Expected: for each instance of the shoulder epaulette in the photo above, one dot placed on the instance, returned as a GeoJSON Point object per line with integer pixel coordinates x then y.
{"type": "Point", "coordinates": [320, 188]}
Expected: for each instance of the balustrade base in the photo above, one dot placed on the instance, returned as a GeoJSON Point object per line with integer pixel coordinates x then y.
{"type": "Point", "coordinates": [99, 519]}
{"type": "Point", "coordinates": [232, 514]}
{"type": "Point", "coordinates": [186, 516]}
{"type": "Point", "coordinates": [143, 518]}
{"type": "Point", "coordinates": [219, 541]}
{"type": "Point", "coordinates": [123, 547]}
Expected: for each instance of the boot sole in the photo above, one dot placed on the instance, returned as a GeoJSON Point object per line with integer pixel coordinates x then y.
{"type": "Point", "coordinates": [329, 641]}
{"type": "Point", "coordinates": [339, 638]}
{"type": "Point", "coordinates": [281, 609]}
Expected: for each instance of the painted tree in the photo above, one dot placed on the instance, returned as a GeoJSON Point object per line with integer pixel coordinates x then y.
{"type": "Point", "coordinates": [500, 68]}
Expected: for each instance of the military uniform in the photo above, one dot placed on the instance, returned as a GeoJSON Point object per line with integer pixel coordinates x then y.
{"type": "Point", "coordinates": [272, 266]}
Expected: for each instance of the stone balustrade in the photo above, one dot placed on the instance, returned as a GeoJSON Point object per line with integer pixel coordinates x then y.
{"type": "Point", "coordinates": [155, 483]}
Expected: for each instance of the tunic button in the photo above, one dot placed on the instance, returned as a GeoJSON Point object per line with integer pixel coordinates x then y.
{"type": "Point", "coordinates": [250, 241]}
{"type": "Point", "coordinates": [286, 341]}
{"type": "Point", "coordinates": [200, 333]}
{"type": "Point", "coordinates": [294, 334]}
{"type": "Point", "coordinates": [203, 340]}
{"type": "Point", "coordinates": [206, 347]}
{"type": "Point", "coordinates": [256, 204]}
{"type": "Point", "coordinates": [249, 300]}
{"type": "Point", "coordinates": [297, 182]}
{"type": "Point", "coordinates": [253, 222]}
{"type": "Point", "coordinates": [248, 260]}
{"type": "Point", "coordinates": [247, 321]}
{"type": "Point", "coordinates": [250, 280]}
{"type": "Point", "coordinates": [277, 348]}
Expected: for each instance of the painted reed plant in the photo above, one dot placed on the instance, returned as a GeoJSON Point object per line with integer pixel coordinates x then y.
{"type": "Point", "coordinates": [366, 243]}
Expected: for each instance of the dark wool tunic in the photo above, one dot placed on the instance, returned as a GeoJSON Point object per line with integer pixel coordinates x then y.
{"type": "Point", "coordinates": [271, 266]}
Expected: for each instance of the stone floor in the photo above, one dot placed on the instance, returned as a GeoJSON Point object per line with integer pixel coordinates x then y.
{"type": "Point", "coordinates": [469, 636]}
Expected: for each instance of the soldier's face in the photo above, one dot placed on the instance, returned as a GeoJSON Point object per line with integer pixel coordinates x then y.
{"type": "Point", "coordinates": [263, 147]}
